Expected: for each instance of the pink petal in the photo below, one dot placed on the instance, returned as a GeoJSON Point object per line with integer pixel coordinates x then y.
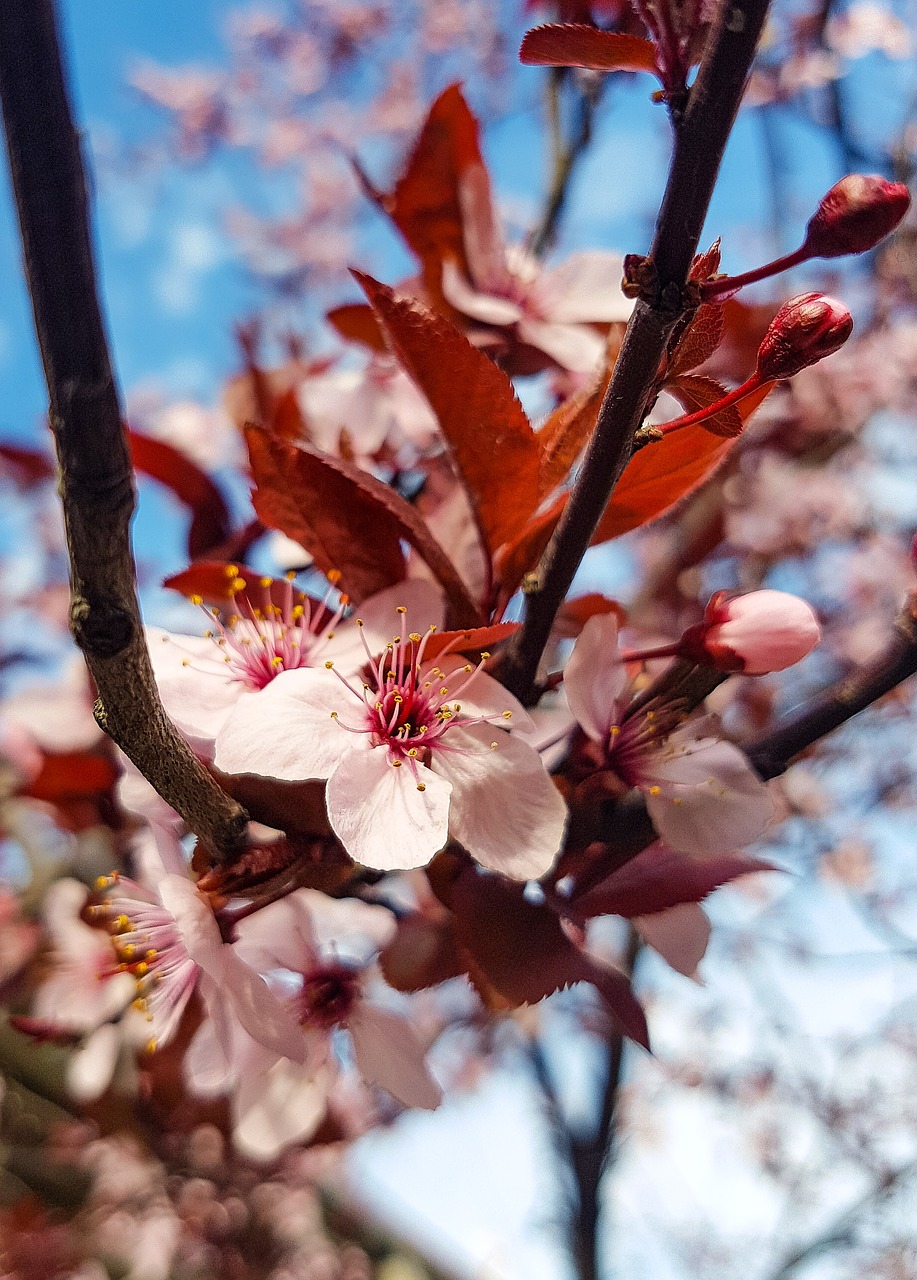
{"type": "Point", "coordinates": [194, 683]}
{"type": "Point", "coordinates": [506, 811]}
{"type": "Point", "coordinates": [389, 1053]}
{"type": "Point", "coordinates": [680, 935]}
{"type": "Point", "coordinates": [196, 923]}
{"type": "Point", "coordinates": [484, 696]}
{"type": "Point", "coordinates": [264, 1016]}
{"type": "Point", "coordinates": [380, 816]}
{"type": "Point", "coordinates": [705, 798]}
{"type": "Point", "coordinates": [286, 730]}
{"type": "Point", "coordinates": [594, 677]}
{"type": "Point", "coordinates": [480, 306]}
{"type": "Point", "coordinates": [381, 620]}
{"type": "Point", "coordinates": [573, 346]}
{"type": "Point", "coordinates": [207, 1065]}
{"type": "Point", "coordinates": [91, 1067]}
{"type": "Point", "coordinates": [483, 242]}
{"type": "Point", "coordinates": [276, 1107]}
{"type": "Point", "coordinates": [585, 287]}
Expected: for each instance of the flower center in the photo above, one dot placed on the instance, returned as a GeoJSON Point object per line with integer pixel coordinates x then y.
{"type": "Point", "coordinates": [328, 995]}
{"type": "Point", "coordinates": [287, 630]}
{"type": "Point", "coordinates": [406, 706]}
{"type": "Point", "coordinates": [150, 947]}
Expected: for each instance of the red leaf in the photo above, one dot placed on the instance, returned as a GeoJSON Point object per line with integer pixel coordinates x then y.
{"type": "Point", "coordinates": [522, 555]}
{"type": "Point", "coordinates": [573, 615]}
{"type": "Point", "coordinates": [490, 440]}
{"type": "Point", "coordinates": [659, 878]}
{"type": "Point", "coordinates": [340, 525]}
{"type": "Point", "coordinates": [445, 180]}
{"type": "Point", "coordinates": [696, 392]}
{"type": "Point", "coordinates": [210, 522]}
{"type": "Point", "coordinates": [573, 44]}
{"type": "Point", "coordinates": [348, 520]}
{"type": "Point", "coordinates": [524, 953]}
{"type": "Point", "coordinates": [701, 340]}
{"type": "Point", "coordinates": [469, 641]}
{"type": "Point", "coordinates": [72, 774]}
{"type": "Point", "coordinates": [28, 467]}
{"type": "Point", "coordinates": [422, 954]}
{"type": "Point", "coordinates": [706, 264]}
{"type": "Point", "coordinates": [213, 581]}
{"type": "Point", "coordinates": [355, 322]}
{"type": "Point", "coordinates": [661, 474]}
{"type": "Point", "coordinates": [566, 431]}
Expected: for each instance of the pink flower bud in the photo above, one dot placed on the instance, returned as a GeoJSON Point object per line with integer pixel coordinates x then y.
{"type": "Point", "coordinates": [855, 215]}
{"type": "Point", "coordinates": [757, 633]}
{"type": "Point", "coordinates": [804, 331]}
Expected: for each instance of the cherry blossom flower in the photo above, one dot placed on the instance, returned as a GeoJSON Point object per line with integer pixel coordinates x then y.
{"type": "Point", "coordinates": [701, 793]}
{"type": "Point", "coordinates": [551, 308]}
{"type": "Point", "coordinates": [84, 993]}
{"type": "Point", "coordinates": [372, 407]}
{"type": "Point", "coordinates": [322, 946]}
{"type": "Point", "coordinates": [201, 679]}
{"type": "Point", "coordinates": [167, 939]}
{"type": "Point", "coordinates": [413, 752]}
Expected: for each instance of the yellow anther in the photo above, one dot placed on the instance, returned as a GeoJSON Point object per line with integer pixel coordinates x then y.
{"type": "Point", "coordinates": [507, 715]}
{"type": "Point", "coordinates": [121, 923]}
{"type": "Point", "coordinates": [493, 746]}
{"type": "Point", "coordinates": [151, 1045]}
{"type": "Point", "coordinates": [151, 954]}
{"type": "Point", "coordinates": [334, 715]}
{"type": "Point", "coordinates": [297, 612]}
{"type": "Point", "coordinates": [484, 655]}
{"type": "Point", "coordinates": [104, 882]}
{"type": "Point", "coordinates": [127, 951]}
{"type": "Point", "coordinates": [141, 968]}
{"type": "Point", "coordinates": [396, 764]}
{"type": "Point", "coordinates": [266, 582]}
{"type": "Point", "coordinates": [468, 667]}
{"type": "Point", "coordinates": [397, 699]}
{"type": "Point", "coordinates": [329, 665]}
{"type": "Point", "coordinates": [456, 706]}
{"type": "Point", "coordinates": [239, 584]}
{"type": "Point", "coordinates": [421, 786]}
{"type": "Point", "coordinates": [443, 691]}
{"type": "Point", "coordinates": [196, 599]}
{"type": "Point", "coordinates": [290, 575]}
{"type": "Point", "coordinates": [655, 791]}
{"type": "Point", "coordinates": [416, 637]}
{"type": "Point", "coordinates": [401, 609]}
{"type": "Point", "coordinates": [614, 730]}
{"type": "Point", "coordinates": [214, 612]}
{"type": "Point", "coordinates": [186, 662]}
{"type": "Point", "coordinates": [413, 753]}
{"type": "Point", "coordinates": [432, 627]}
{"type": "Point", "coordinates": [232, 571]}
{"type": "Point", "coordinates": [333, 576]}
{"type": "Point", "coordinates": [358, 622]}
{"type": "Point", "coordinates": [277, 662]}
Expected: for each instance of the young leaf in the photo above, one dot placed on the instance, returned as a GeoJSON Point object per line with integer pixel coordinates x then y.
{"type": "Point", "coordinates": [210, 522]}
{"type": "Point", "coordinates": [661, 474]}
{"type": "Point", "coordinates": [353, 522]}
{"type": "Point", "coordinates": [490, 440]}
{"type": "Point", "coordinates": [696, 392]}
{"type": "Point", "coordinates": [574, 44]}
{"type": "Point", "coordinates": [701, 340]}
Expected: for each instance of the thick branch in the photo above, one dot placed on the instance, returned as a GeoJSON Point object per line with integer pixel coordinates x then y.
{"type": "Point", "coordinates": [699, 145]}
{"type": "Point", "coordinates": [96, 482]}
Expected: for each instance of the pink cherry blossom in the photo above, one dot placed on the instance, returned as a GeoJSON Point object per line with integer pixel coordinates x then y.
{"type": "Point", "coordinates": [701, 793]}
{"type": "Point", "coordinates": [167, 939]}
{"type": "Point", "coordinates": [413, 752]}
{"type": "Point", "coordinates": [201, 679]}
{"type": "Point", "coordinates": [375, 407]}
{"type": "Point", "coordinates": [551, 308]}
{"type": "Point", "coordinates": [323, 946]}
{"type": "Point", "coordinates": [755, 633]}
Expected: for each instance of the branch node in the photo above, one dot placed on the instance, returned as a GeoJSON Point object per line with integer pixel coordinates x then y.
{"type": "Point", "coordinates": [102, 629]}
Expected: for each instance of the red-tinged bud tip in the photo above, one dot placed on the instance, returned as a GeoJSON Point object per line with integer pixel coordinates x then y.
{"type": "Point", "coordinates": [757, 633]}
{"type": "Point", "coordinates": [804, 331]}
{"type": "Point", "coordinates": [855, 215]}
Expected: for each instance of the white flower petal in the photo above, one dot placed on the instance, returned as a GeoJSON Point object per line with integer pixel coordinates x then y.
{"type": "Point", "coordinates": [380, 816]}
{"type": "Point", "coordinates": [194, 682]}
{"type": "Point", "coordinates": [91, 1067]}
{"type": "Point", "coordinates": [506, 811]}
{"type": "Point", "coordinates": [585, 287]}
{"type": "Point", "coordinates": [274, 1108]}
{"type": "Point", "coordinates": [594, 677]}
{"type": "Point", "coordinates": [389, 1053]}
{"type": "Point", "coordinates": [480, 306]}
{"type": "Point", "coordinates": [286, 730]}
{"type": "Point", "coordinates": [484, 696]}
{"type": "Point", "coordinates": [573, 346]}
{"type": "Point", "coordinates": [264, 1016]}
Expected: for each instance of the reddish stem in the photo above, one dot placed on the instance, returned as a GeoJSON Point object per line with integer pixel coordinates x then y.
{"type": "Point", "coordinates": [700, 415]}
{"type": "Point", "coordinates": [726, 286]}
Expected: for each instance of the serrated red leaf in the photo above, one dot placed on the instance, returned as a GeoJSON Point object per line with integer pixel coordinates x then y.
{"type": "Point", "coordinates": [696, 392]}
{"type": "Point", "coordinates": [659, 878]}
{"type": "Point", "coordinates": [210, 522]}
{"type": "Point", "coordinates": [566, 431]}
{"type": "Point", "coordinates": [701, 340]}
{"type": "Point", "coordinates": [213, 580]}
{"type": "Point", "coordinates": [706, 264]}
{"type": "Point", "coordinates": [521, 556]}
{"type": "Point", "coordinates": [662, 474]}
{"type": "Point", "coordinates": [348, 520]}
{"type": "Point", "coordinates": [355, 322]}
{"type": "Point", "coordinates": [422, 953]}
{"type": "Point", "coordinates": [490, 440]}
{"type": "Point", "coordinates": [523, 951]}
{"type": "Point", "coordinates": [574, 44]}
{"type": "Point", "coordinates": [444, 183]}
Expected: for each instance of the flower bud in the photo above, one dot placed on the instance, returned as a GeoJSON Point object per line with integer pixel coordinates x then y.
{"type": "Point", "coordinates": [804, 331]}
{"type": "Point", "coordinates": [855, 215]}
{"type": "Point", "coordinates": [756, 633]}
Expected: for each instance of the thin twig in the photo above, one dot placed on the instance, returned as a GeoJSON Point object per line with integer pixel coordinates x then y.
{"type": "Point", "coordinates": [96, 481]}
{"type": "Point", "coordinates": [700, 141]}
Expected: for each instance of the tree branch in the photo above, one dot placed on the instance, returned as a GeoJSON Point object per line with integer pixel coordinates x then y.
{"type": "Point", "coordinates": [700, 141]}
{"type": "Point", "coordinates": [96, 481]}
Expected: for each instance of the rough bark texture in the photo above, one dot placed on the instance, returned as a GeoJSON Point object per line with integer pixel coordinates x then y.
{"type": "Point", "coordinates": [96, 480]}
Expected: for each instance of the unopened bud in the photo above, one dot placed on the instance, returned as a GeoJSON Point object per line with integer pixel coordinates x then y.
{"type": "Point", "coordinates": [756, 633]}
{"type": "Point", "coordinates": [804, 331]}
{"type": "Point", "coordinates": [855, 215]}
